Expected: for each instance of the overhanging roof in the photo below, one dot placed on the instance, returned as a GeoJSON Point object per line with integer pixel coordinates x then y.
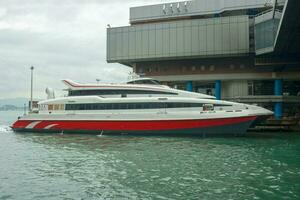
{"type": "Point", "coordinates": [287, 42]}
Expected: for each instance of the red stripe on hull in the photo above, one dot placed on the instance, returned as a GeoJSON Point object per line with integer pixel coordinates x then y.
{"type": "Point", "coordinates": [131, 125]}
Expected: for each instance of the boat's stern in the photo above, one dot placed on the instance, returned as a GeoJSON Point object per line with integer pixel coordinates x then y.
{"type": "Point", "coordinates": [20, 124]}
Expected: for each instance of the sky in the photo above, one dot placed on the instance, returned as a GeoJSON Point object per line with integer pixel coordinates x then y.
{"type": "Point", "coordinates": [62, 39]}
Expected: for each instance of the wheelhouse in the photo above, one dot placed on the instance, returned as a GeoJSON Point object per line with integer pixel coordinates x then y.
{"type": "Point", "coordinates": [145, 81]}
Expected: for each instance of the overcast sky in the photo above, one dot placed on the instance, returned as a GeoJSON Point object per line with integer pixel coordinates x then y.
{"type": "Point", "coordinates": [61, 39]}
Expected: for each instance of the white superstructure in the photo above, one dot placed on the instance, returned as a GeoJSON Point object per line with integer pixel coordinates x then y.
{"type": "Point", "coordinates": [140, 106]}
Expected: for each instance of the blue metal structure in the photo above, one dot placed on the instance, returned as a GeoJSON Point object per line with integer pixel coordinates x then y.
{"type": "Point", "coordinates": [218, 89]}
{"type": "Point", "coordinates": [278, 105]}
{"type": "Point", "coordinates": [189, 86]}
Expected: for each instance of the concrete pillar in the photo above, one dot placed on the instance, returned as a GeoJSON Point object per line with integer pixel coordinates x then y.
{"type": "Point", "coordinates": [189, 86]}
{"type": "Point", "coordinates": [218, 89]}
{"type": "Point", "coordinates": [278, 105]}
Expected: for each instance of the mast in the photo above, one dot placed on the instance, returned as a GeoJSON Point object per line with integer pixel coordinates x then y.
{"type": "Point", "coordinates": [31, 88]}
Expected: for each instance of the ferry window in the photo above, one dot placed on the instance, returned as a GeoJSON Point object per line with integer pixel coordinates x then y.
{"type": "Point", "coordinates": [186, 105]}
{"type": "Point", "coordinates": [150, 105]}
{"type": "Point", "coordinates": [131, 106]}
{"type": "Point", "coordinates": [116, 106]}
{"type": "Point", "coordinates": [170, 105]}
{"type": "Point", "coordinates": [108, 106]}
{"type": "Point", "coordinates": [56, 107]}
{"type": "Point", "coordinates": [70, 107]}
{"type": "Point", "coordinates": [123, 106]}
{"type": "Point", "coordinates": [123, 93]}
{"type": "Point", "coordinates": [61, 107]}
{"type": "Point", "coordinates": [208, 107]}
{"type": "Point", "coordinates": [88, 106]}
{"type": "Point", "coordinates": [81, 107]}
{"type": "Point", "coordinates": [147, 106]}
{"type": "Point", "coordinates": [196, 105]}
{"type": "Point", "coordinates": [140, 105]}
{"type": "Point", "coordinates": [43, 107]}
{"type": "Point", "coordinates": [50, 107]}
{"type": "Point", "coordinates": [101, 106]}
{"type": "Point", "coordinates": [179, 105]}
{"type": "Point", "coordinates": [217, 105]}
{"type": "Point", "coordinates": [156, 82]}
{"type": "Point", "coordinates": [183, 105]}
{"type": "Point", "coordinates": [161, 105]}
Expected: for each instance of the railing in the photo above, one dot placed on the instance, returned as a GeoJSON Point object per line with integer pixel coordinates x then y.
{"type": "Point", "coordinates": [265, 12]}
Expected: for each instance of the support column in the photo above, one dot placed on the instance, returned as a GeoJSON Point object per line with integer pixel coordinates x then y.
{"type": "Point", "coordinates": [278, 105]}
{"type": "Point", "coordinates": [189, 86]}
{"type": "Point", "coordinates": [218, 89]}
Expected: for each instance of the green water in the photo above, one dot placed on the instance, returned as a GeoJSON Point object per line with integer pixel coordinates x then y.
{"type": "Point", "coordinates": [37, 166]}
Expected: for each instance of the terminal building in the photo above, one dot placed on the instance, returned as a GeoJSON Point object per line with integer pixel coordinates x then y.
{"type": "Point", "coordinates": [239, 50]}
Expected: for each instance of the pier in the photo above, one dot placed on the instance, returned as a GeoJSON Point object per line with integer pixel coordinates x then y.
{"type": "Point", "coordinates": [283, 125]}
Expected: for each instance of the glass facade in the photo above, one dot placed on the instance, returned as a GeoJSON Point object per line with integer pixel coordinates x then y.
{"type": "Point", "coordinates": [179, 39]}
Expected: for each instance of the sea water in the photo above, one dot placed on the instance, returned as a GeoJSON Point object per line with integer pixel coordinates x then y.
{"type": "Point", "coordinates": [66, 166]}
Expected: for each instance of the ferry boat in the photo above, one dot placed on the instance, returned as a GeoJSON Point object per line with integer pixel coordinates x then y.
{"type": "Point", "coordinates": [141, 106]}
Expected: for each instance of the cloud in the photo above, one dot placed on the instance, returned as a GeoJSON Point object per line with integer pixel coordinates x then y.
{"type": "Point", "coordinates": [61, 39]}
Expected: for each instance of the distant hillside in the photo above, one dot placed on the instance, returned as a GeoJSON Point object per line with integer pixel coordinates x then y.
{"type": "Point", "coordinates": [10, 107]}
{"type": "Point", "coordinates": [17, 102]}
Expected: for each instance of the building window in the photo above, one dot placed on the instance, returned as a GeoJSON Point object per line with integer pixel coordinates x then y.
{"type": "Point", "coordinates": [291, 88]}
{"type": "Point", "coordinates": [140, 70]}
{"type": "Point", "coordinates": [262, 87]}
{"type": "Point", "coordinates": [250, 88]}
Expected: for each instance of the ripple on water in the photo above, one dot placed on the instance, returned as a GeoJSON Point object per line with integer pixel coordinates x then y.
{"type": "Point", "coordinates": [5, 129]}
{"type": "Point", "coordinates": [37, 166]}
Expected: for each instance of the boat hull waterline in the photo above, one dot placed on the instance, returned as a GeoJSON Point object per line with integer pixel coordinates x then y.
{"type": "Point", "coordinates": [236, 125]}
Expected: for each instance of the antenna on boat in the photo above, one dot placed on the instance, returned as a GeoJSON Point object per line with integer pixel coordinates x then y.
{"type": "Point", "coordinates": [24, 108]}
{"type": "Point", "coordinates": [31, 88]}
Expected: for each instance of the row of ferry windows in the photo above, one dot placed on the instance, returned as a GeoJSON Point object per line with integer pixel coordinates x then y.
{"type": "Point", "coordinates": [119, 106]}
{"type": "Point", "coordinates": [114, 92]}
{"type": "Point", "coordinates": [53, 107]}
